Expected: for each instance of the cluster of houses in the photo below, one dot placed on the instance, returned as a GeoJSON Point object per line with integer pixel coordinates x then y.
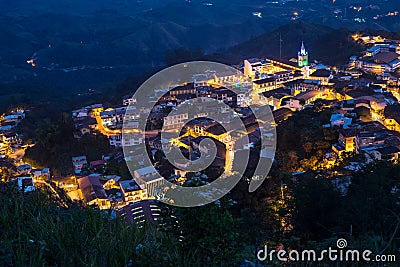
{"type": "Point", "coordinates": [9, 138]}
{"type": "Point", "coordinates": [96, 118]}
{"type": "Point", "coordinates": [85, 120]}
{"type": "Point", "coordinates": [25, 176]}
{"type": "Point", "coordinates": [382, 55]}
{"type": "Point", "coordinates": [95, 187]}
{"type": "Point", "coordinates": [10, 141]}
{"type": "Point", "coordinates": [365, 112]}
{"type": "Point", "coordinates": [129, 198]}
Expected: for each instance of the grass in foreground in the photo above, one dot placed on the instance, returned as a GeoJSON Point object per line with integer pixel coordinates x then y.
{"type": "Point", "coordinates": [36, 231]}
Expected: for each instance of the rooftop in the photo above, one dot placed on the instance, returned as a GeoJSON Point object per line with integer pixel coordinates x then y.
{"type": "Point", "coordinates": [321, 73]}
{"type": "Point", "coordinates": [279, 93]}
{"type": "Point", "coordinates": [265, 80]}
{"type": "Point", "coordinates": [129, 185]}
{"type": "Point", "coordinates": [91, 188]}
{"type": "Point", "coordinates": [388, 150]}
{"type": "Point", "coordinates": [307, 95]}
{"type": "Point", "coordinates": [386, 57]}
{"type": "Point", "coordinates": [281, 114]}
{"type": "Point", "coordinates": [254, 60]}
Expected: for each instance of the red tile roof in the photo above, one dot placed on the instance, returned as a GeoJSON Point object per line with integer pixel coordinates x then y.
{"type": "Point", "coordinates": [97, 163]}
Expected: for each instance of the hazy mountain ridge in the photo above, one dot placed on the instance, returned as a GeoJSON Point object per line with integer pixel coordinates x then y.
{"type": "Point", "coordinates": [72, 33]}
{"type": "Point", "coordinates": [77, 45]}
{"type": "Point", "coordinates": [332, 46]}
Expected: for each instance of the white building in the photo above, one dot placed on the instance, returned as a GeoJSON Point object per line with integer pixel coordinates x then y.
{"type": "Point", "coordinates": [128, 100]}
{"type": "Point", "coordinates": [128, 139]}
{"type": "Point", "coordinates": [148, 178]}
{"type": "Point", "coordinates": [175, 121]}
{"type": "Point", "coordinates": [112, 117]}
{"type": "Point", "coordinates": [132, 192]}
{"type": "Point", "coordinates": [254, 66]}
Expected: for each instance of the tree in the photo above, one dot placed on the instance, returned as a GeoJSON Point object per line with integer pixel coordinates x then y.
{"type": "Point", "coordinates": [308, 147]}
{"type": "Point", "coordinates": [38, 231]}
{"type": "Point", "coordinates": [55, 145]}
{"type": "Point", "coordinates": [291, 162]}
{"type": "Point", "coordinates": [212, 229]}
{"type": "Point", "coordinates": [316, 208]}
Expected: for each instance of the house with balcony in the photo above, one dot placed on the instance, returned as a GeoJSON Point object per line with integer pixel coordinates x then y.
{"type": "Point", "coordinates": [148, 178]}
{"type": "Point", "coordinates": [263, 85]}
{"type": "Point", "coordinates": [174, 121]}
{"type": "Point", "coordinates": [132, 192]}
{"type": "Point", "coordinates": [126, 139]}
{"type": "Point", "coordinates": [227, 77]}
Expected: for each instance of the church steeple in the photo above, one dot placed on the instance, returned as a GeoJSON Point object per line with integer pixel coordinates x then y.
{"type": "Point", "coordinates": [302, 56]}
{"type": "Point", "coordinates": [303, 49]}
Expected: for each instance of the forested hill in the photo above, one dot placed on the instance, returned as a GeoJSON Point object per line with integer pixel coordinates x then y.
{"type": "Point", "coordinates": [331, 46]}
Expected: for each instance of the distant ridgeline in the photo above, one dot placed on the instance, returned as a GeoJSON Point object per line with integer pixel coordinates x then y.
{"type": "Point", "coordinates": [331, 46]}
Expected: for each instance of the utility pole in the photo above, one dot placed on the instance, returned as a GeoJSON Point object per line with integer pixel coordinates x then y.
{"type": "Point", "coordinates": [280, 46]}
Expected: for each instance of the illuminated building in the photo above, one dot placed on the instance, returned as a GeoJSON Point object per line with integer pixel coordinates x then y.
{"type": "Point", "coordinates": [347, 139]}
{"type": "Point", "coordinates": [93, 192]}
{"type": "Point", "coordinates": [387, 153]}
{"type": "Point", "coordinates": [302, 56]}
{"type": "Point", "coordinates": [4, 145]}
{"type": "Point", "coordinates": [264, 85]}
{"type": "Point", "coordinates": [254, 67]}
{"type": "Point", "coordinates": [304, 99]}
{"type": "Point", "coordinates": [175, 121]}
{"type": "Point", "coordinates": [149, 179]}
{"type": "Point", "coordinates": [132, 192]}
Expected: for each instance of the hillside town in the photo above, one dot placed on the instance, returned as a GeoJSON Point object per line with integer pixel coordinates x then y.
{"type": "Point", "coordinates": [362, 96]}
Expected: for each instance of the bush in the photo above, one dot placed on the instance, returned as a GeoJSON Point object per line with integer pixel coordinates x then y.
{"type": "Point", "coordinates": [37, 231]}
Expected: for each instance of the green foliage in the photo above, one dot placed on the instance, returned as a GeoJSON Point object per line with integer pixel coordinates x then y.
{"type": "Point", "coordinates": [118, 168]}
{"type": "Point", "coordinates": [316, 208]}
{"type": "Point", "coordinates": [368, 216]}
{"type": "Point", "coordinates": [370, 206]}
{"type": "Point", "coordinates": [36, 231]}
{"type": "Point", "coordinates": [302, 139]}
{"type": "Point", "coordinates": [211, 229]}
{"type": "Point", "coordinates": [55, 144]}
